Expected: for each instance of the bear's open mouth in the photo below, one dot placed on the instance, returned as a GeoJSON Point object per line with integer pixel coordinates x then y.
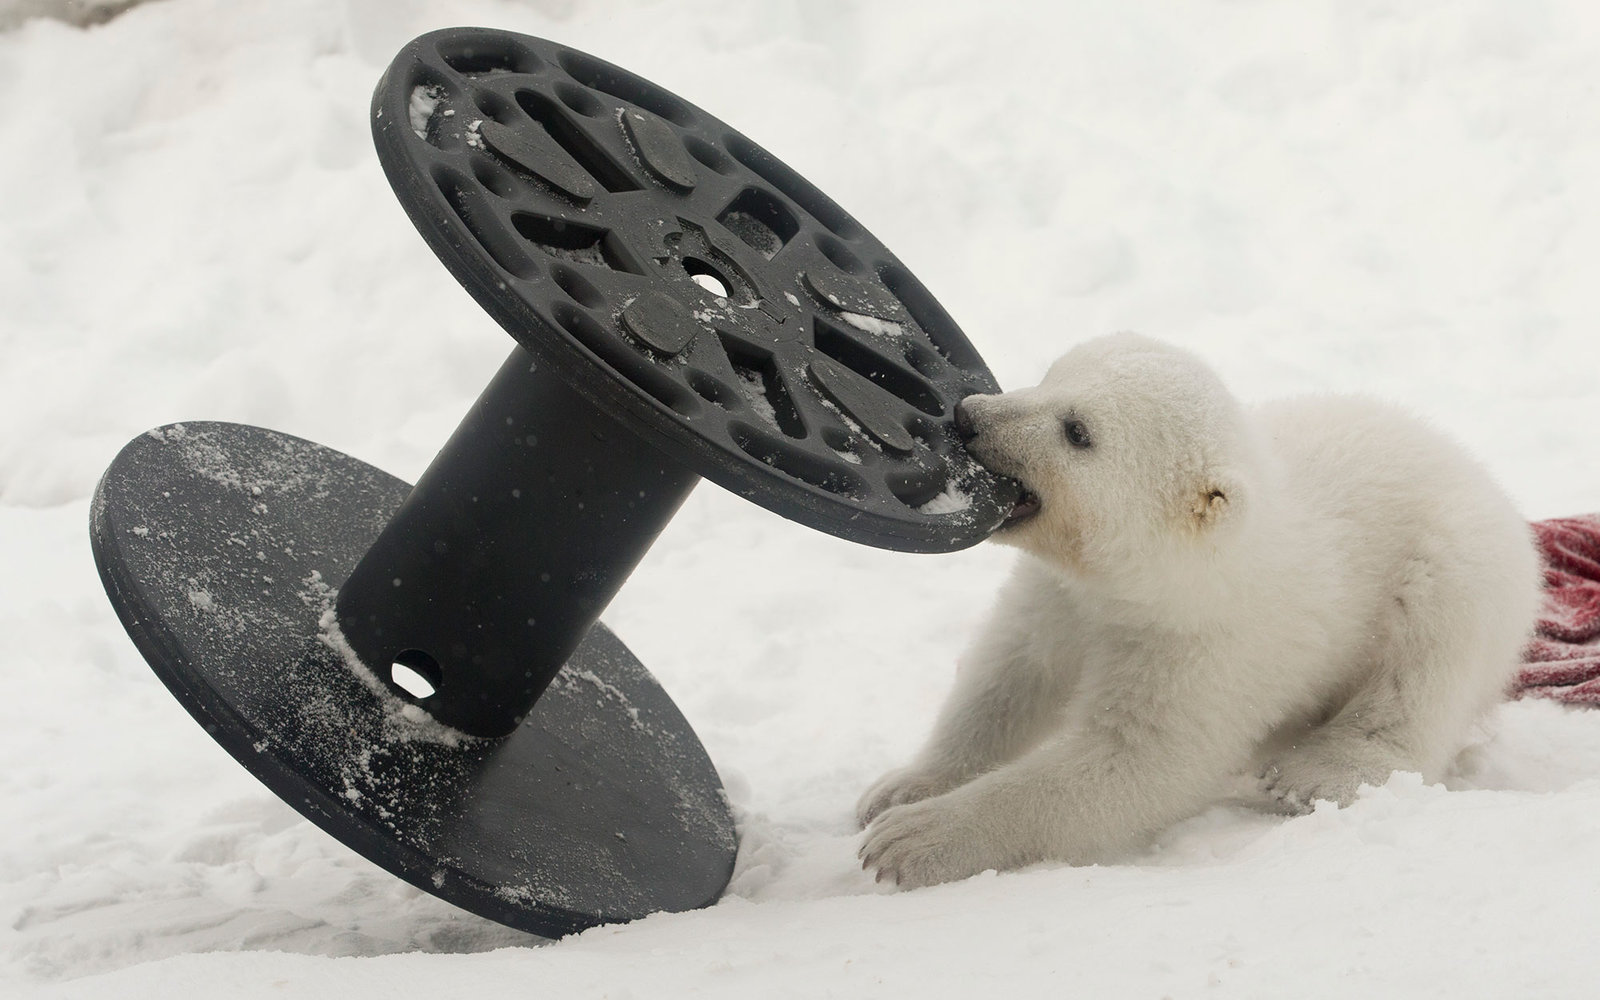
{"type": "Point", "coordinates": [1026, 506]}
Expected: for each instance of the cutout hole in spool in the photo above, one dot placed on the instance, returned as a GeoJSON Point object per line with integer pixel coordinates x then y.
{"type": "Point", "coordinates": [764, 391]}
{"type": "Point", "coordinates": [580, 100]}
{"type": "Point", "coordinates": [941, 330]}
{"type": "Point", "coordinates": [712, 390]}
{"type": "Point", "coordinates": [707, 277]}
{"type": "Point", "coordinates": [576, 141]}
{"type": "Point", "coordinates": [878, 368]}
{"type": "Point", "coordinates": [918, 485]}
{"type": "Point", "coordinates": [791, 185]}
{"type": "Point", "coordinates": [577, 287]}
{"type": "Point", "coordinates": [416, 673]}
{"type": "Point", "coordinates": [840, 255]}
{"type": "Point", "coordinates": [761, 220]}
{"type": "Point", "coordinates": [574, 241]}
{"type": "Point", "coordinates": [624, 86]}
{"type": "Point", "coordinates": [710, 155]}
{"type": "Point", "coordinates": [480, 219]}
{"type": "Point", "coordinates": [493, 177]}
{"type": "Point", "coordinates": [481, 55]}
{"type": "Point", "coordinates": [615, 351]}
{"type": "Point", "coordinates": [798, 463]}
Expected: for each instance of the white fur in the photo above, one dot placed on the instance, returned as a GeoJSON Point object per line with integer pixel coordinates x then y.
{"type": "Point", "coordinates": [1318, 591]}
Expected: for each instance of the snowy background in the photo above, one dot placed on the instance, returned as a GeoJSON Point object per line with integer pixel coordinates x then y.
{"type": "Point", "coordinates": [1399, 198]}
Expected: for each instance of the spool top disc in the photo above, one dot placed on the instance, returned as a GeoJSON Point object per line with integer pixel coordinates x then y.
{"type": "Point", "coordinates": [673, 271]}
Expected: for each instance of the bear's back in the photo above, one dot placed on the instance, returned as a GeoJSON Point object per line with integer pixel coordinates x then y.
{"type": "Point", "coordinates": [1386, 487]}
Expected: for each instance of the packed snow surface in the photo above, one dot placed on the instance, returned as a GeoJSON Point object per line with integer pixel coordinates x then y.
{"type": "Point", "coordinates": [1395, 197]}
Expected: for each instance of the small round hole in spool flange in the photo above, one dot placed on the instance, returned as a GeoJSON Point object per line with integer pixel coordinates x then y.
{"type": "Point", "coordinates": [416, 673]}
{"type": "Point", "coordinates": [706, 276]}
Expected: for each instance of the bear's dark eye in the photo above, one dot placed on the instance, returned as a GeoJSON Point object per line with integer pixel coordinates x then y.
{"type": "Point", "coordinates": [1077, 434]}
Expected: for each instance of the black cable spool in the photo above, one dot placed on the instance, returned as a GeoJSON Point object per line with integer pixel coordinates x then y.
{"type": "Point", "coordinates": [685, 306]}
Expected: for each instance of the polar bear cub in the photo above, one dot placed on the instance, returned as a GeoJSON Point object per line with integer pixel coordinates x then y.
{"type": "Point", "coordinates": [1318, 592]}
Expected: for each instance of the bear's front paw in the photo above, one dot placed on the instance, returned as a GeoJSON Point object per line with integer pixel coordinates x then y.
{"type": "Point", "coordinates": [925, 843]}
{"type": "Point", "coordinates": [1297, 781]}
{"type": "Point", "coordinates": [1333, 764]}
{"type": "Point", "coordinates": [906, 784]}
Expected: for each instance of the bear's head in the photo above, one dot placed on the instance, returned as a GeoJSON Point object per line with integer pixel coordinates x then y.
{"type": "Point", "coordinates": [1129, 450]}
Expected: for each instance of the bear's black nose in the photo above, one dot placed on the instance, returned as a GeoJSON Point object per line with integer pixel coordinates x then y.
{"type": "Point", "coordinates": [964, 426]}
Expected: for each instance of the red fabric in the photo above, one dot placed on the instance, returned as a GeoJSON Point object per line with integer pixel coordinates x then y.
{"type": "Point", "coordinates": [1563, 659]}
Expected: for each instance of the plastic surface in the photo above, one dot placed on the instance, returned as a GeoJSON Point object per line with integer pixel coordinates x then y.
{"type": "Point", "coordinates": [512, 543]}
{"type": "Point", "coordinates": [220, 546]}
{"type": "Point", "coordinates": [681, 277]}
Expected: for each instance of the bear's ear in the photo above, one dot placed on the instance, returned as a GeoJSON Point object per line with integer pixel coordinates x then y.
{"type": "Point", "coordinates": [1214, 500]}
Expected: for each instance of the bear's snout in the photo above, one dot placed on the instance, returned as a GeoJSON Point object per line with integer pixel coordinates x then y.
{"type": "Point", "coordinates": [966, 430]}
{"type": "Point", "coordinates": [974, 425]}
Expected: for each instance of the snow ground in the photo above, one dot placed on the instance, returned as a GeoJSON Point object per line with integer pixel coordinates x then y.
{"type": "Point", "coordinates": [1396, 197]}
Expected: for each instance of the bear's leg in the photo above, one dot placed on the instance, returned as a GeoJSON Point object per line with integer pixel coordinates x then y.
{"type": "Point", "coordinates": [1078, 796]}
{"type": "Point", "coordinates": [1007, 697]}
{"type": "Point", "coordinates": [1449, 651]}
{"type": "Point", "coordinates": [1365, 743]}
